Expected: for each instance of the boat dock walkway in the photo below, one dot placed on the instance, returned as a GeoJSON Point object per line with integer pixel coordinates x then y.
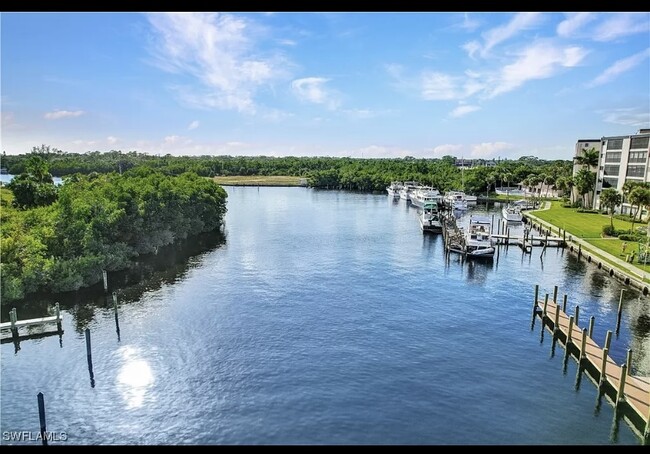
{"type": "Point", "coordinates": [630, 390]}
{"type": "Point", "coordinates": [14, 324]}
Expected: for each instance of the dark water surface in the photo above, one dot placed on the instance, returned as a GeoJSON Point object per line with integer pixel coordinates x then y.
{"type": "Point", "coordinates": [325, 317]}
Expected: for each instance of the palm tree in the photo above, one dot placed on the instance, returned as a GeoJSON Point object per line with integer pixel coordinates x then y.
{"type": "Point", "coordinates": [610, 198]}
{"type": "Point", "coordinates": [589, 159]}
{"type": "Point", "coordinates": [639, 197]}
{"type": "Point", "coordinates": [584, 181]}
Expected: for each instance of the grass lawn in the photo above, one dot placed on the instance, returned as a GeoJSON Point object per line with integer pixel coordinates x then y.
{"type": "Point", "coordinates": [582, 225]}
{"type": "Point", "coordinates": [589, 226]}
{"type": "Point", "coordinates": [258, 180]}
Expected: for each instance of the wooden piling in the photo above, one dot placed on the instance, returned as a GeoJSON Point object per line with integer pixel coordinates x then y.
{"type": "Point", "coordinates": [555, 289]}
{"type": "Point", "coordinates": [89, 357]}
{"type": "Point", "coordinates": [583, 344]}
{"type": "Point", "coordinates": [620, 310]}
{"type": "Point", "coordinates": [13, 318]}
{"type": "Point", "coordinates": [556, 322]}
{"type": "Point", "coordinates": [621, 384]}
{"type": "Point", "coordinates": [564, 303]}
{"type": "Point", "coordinates": [577, 313]}
{"type": "Point", "coordinates": [603, 367]}
{"type": "Point", "coordinates": [545, 304]}
{"type": "Point", "coordinates": [536, 295]}
{"type": "Point", "coordinates": [117, 321]}
{"type": "Point", "coordinates": [628, 360]}
{"type": "Point", "coordinates": [592, 319]}
{"type": "Point", "coordinates": [579, 251]}
{"type": "Point", "coordinates": [569, 332]}
{"type": "Point", "coordinates": [105, 278]}
{"type": "Point", "coordinates": [608, 339]}
{"type": "Point", "coordinates": [41, 417]}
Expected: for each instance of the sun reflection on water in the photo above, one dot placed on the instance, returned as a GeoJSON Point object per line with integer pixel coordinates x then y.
{"type": "Point", "coordinates": [134, 378]}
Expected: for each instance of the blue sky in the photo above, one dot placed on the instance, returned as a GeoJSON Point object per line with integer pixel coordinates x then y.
{"type": "Point", "coordinates": [482, 85]}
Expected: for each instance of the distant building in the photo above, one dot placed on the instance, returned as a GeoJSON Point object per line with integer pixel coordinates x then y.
{"type": "Point", "coordinates": [623, 158]}
{"type": "Point", "coordinates": [461, 162]}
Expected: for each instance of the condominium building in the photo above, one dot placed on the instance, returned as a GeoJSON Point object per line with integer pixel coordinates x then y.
{"type": "Point", "coordinates": [581, 146]}
{"type": "Point", "coordinates": [622, 158]}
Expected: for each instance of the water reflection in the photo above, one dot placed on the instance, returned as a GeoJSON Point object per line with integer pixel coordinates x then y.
{"type": "Point", "coordinates": [135, 377]}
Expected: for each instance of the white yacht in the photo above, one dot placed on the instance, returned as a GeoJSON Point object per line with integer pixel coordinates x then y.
{"type": "Point", "coordinates": [424, 194]}
{"type": "Point", "coordinates": [430, 217]}
{"type": "Point", "coordinates": [407, 190]}
{"type": "Point", "coordinates": [478, 239]}
{"type": "Point", "coordinates": [456, 199]}
{"type": "Point", "coordinates": [511, 213]}
{"type": "Point", "coordinates": [394, 188]}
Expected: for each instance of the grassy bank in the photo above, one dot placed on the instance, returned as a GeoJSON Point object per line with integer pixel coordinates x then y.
{"type": "Point", "coordinates": [258, 180]}
{"type": "Point", "coordinates": [589, 227]}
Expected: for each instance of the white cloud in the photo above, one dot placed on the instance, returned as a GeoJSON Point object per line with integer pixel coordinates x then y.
{"type": "Point", "coordinates": [447, 149]}
{"type": "Point", "coordinates": [58, 114]}
{"type": "Point", "coordinates": [195, 124]}
{"type": "Point", "coordinates": [619, 67]}
{"type": "Point", "coordinates": [487, 150]}
{"type": "Point", "coordinates": [437, 86]}
{"type": "Point", "coordinates": [9, 121]}
{"type": "Point", "coordinates": [497, 35]}
{"type": "Point", "coordinates": [573, 23]}
{"type": "Point", "coordinates": [628, 116]}
{"type": "Point", "coordinates": [463, 110]}
{"type": "Point", "coordinates": [312, 89]}
{"type": "Point", "coordinates": [472, 47]}
{"type": "Point", "coordinates": [538, 61]}
{"type": "Point", "coordinates": [619, 25]}
{"type": "Point", "coordinates": [112, 140]}
{"type": "Point", "coordinates": [287, 42]}
{"type": "Point", "coordinates": [216, 49]}
{"type": "Point", "coordinates": [468, 23]}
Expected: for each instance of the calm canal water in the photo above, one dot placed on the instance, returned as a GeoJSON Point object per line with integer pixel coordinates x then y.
{"type": "Point", "coordinates": [326, 317]}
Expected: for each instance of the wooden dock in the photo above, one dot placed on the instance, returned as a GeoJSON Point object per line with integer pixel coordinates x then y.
{"type": "Point", "coordinates": [14, 324]}
{"type": "Point", "coordinates": [625, 389]}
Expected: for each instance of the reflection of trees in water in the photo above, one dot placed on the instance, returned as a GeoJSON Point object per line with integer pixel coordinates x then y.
{"type": "Point", "coordinates": [150, 272]}
{"type": "Point", "coordinates": [639, 312]}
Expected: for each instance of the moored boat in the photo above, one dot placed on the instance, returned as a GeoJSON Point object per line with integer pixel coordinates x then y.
{"type": "Point", "coordinates": [478, 239]}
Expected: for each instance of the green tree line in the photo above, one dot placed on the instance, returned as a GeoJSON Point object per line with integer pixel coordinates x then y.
{"type": "Point", "coordinates": [100, 221]}
{"type": "Point", "coordinates": [320, 172]}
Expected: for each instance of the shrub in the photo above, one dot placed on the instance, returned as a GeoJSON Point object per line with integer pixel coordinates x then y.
{"type": "Point", "coordinates": [609, 230]}
{"type": "Point", "coordinates": [628, 237]}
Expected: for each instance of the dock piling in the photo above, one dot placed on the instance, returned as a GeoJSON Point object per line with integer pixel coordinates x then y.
{"type": "Point", "coordinates": [89, 357]}
{"type": "Point", "coordinates": [105, 279]}
{"type": "Point", "coordinates": [603, 367]}
{"type": "Point", "coordinates": [569, 336]}
{"type": "Point", "coordinates": [41, 417]}
{"type": "Point", "coordinates": [556, 322]}
{"type": "Point", "coordinates": [583, 344]}
{"type": "Point", "coordinates": [620, 311]}
{"type": "Point", "coordinates": [628, 360]}
{"type": "Point", "coordinates": [564, 303]}
{"type": "Point", "coordinates": [592, 319]}
{"type": "Point", "coordinates": [621, 384]}
{"type": "Point", "coordinates": [608, 339]}
{"type": "Point", "coordinates": [536, 297]}
{"type": "Point", "coordinates": [577, 313]}
{"type": "Point", "coordinates": [555, 289]}
{"type": "Point", "coordinates": [545, 304]}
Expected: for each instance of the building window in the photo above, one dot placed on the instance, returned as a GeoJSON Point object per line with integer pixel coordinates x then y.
{"type": "Point", "coordinates": [613, 156]}
{"type": "Point", "coordinates": [615, 144]}
{"type": "Point", "coordinates": [612, 171]}
{"type": "Point", "coordinates": [637, 156]}
{"type": "Point", "coordinates": [639, 142]}
{"type": "Point", "coordinates": [610, 183]}
{"type": "Point", "coordinates": [635, 171]}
